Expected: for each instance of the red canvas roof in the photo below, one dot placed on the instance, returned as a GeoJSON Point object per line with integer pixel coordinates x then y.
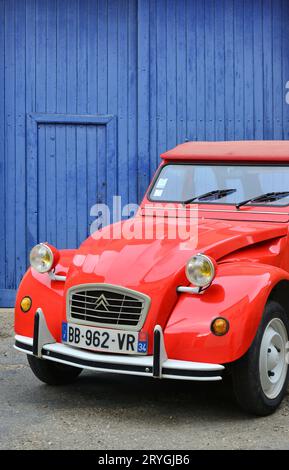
{"type": "Point", "coordinates": [249, 150]}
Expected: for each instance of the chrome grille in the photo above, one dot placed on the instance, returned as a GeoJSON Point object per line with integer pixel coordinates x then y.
{"type": "Point", "coordinates": [105, 305]}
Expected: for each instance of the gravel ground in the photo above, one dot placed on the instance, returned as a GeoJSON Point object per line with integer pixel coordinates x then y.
{"type": "Point", "coordinates": [105, 411]}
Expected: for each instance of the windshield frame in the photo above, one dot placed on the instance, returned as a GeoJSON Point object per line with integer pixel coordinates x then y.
{"type": "Point", "coordinates": [209, 163]}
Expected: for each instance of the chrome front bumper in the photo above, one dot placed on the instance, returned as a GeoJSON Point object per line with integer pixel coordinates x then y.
{"type": "Point", "coordinates": [44, 346]}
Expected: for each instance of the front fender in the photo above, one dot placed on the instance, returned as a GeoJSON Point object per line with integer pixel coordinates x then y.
{"type": "Point", "coordinates": [238, 293]}
{"type": "Point", "coordinates": [45, 293]}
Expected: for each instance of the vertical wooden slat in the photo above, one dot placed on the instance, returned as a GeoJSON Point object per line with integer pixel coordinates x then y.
{"type": "Point", "coordinates": [201, 74]}
{"type": "Point", "coordinates": [229, 71]}
{"type": "Point", "coordinates": [258, 70]}
{"type": "Point", "coordinates": [161, 65]}
{"type": "Point", "coordinates": [143, 97]}
{"type": "Point", "coordinates": [285, 65]}
{"type": "Point", "coordinates": [239, 68]}
{"type": "Point", "coordinates": [71, 194]}
{"type": "Point", "coordinates": [171, 78]}
{"type": "Point", "coordinates": [10, 150]}
{"type": "Point", "coordinates": [191, 71]}
{"type": "Point", "coordinates": [2, 147]}
{"type": "Point", "coordinates": [219, 39]}
{"type": "Point", "coordinates": [51, 106]}
{"type": "Point", "coordinates": [102, 93]}
{"type": "Point", "coordinates": [132, 102]}
{"type": "Point", "coordinates": [20, 142]}
{"type": "Point", "coordinates": [153, 153]}
{"type": "Point", "coordinates": [181, 81]}
{"type": "Point", "coordinates": [248, 72]}
{"type": "Point", "coordinates": [277, 85]}
{"type": "Point", "coordinates": [81, 154]}
{"type": "Point", "coordinates": [60, 131]}
{"type": "Point", "coordinates": [268, 69]}
{"type": "Point", "coordinates": [210, 72]}
{"type": "Point", "coordinates": [122, 93]}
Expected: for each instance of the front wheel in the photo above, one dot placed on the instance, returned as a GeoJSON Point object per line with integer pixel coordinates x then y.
{"type": "Point", "coordinates": [53, 373]}
{"type": "Point", "coordinates": [261, 376]}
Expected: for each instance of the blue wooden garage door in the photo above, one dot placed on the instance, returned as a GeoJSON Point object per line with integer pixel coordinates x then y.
{"type": "Point", "coordinates": [92, 91]}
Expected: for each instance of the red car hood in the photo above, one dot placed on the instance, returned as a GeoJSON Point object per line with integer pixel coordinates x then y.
{"type": "Point", "coordinates": [135, 263]}
{"type": "Point", "coordinates": [157, 266]}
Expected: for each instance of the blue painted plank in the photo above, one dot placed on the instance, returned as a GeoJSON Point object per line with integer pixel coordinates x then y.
{"type": "Point", "coordinates": [131, 176]}
{"type": "Point", "coordinates": [51, 47]}
{"type": "Point", "coordinates": [82, 82]}
{"type": "Point", "coordinates": [191, 71]}
{"type": "Point", "coordinates": [268, 69]}
{"type": "Point", "coordinates": [41, 56]}
{"type": "Point", "coordinates": [248, 71]}
{"type": "Point", "coordinates": [50, 176]}
{"type": "Point", "coordinates": [71, 194]}
{"type": "Point", "coordinates": [153, 155]}
{"type": "Point", "coordinates": [40, 194]}
{"type": "Point", "coordinates": [60, 129]}
{"type": "Point", "coordinates": [81, 182]}
{"type": "Point", "coordinates": [72, 8]}
{"type": "Point", "coordinates": [101, 164]}
{"type": "Point", "coordinates": [258, 70]}
{"type": "Point", "coordinates": [10, 150]}
{"type": "Point", "coordinates": [143, 97]}
{"type": "Point", "coordinates": [61, 186]}
{"type": "Point", "coordinates": [30, 48]}
{"type": "Point", "coordinates": [161, 46]}
{"type": "Point", "coordinates": [210, 70]}
{"type": "Point", "coordinates": [112, 96]}
{"type": "Point", "coordinates": [92, 56]}
{"type": "Point", "coordinates": [122, 111]}
{"type": "Point", "coordinates": [285, 66]}
{"type": "Point", "coordinates": [20, 143]}
{"type": "Point", "coordinates": [201, 72]}
{"type": "Point", "coordinates": [102, 69]}
{"type": "Point", "coordinates": [219, 39]}
{"type": "Point", "coordinates": [102, 93]}
{"type": "Point", "coordinates": [277, 86]}
{"type": "Point", "coordinates": [181, 108]}
{"type": "Point", "coordinates": [171, 74]}
{"type": "Point", "coordinates": [91, 135]}
{"type": "Point", "coordinates": [239, 69]}
{"type": "Point", "coordinates": [229, 71]}
{"type": "Point", "coordinates": [2, 147]}
{"type": "Point", "coordinates": [32, 181]}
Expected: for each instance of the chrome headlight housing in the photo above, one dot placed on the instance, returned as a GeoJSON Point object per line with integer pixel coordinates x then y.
{"type": "Point", "coordinates": [201, 270]}
{"type": "Point", "coordinates": [42, 258]}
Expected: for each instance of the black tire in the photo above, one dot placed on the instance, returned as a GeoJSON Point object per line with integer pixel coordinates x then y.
{"type": "Point", "coordinates": [246, 371]}
{"type": "Point", "coordinates": [53, 373]}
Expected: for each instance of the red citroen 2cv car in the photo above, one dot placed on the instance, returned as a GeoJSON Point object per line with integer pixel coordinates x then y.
{"type": "Point", "coordinates": [209, 298]}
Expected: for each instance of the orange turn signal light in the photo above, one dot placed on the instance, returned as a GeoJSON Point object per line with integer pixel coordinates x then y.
{"type": "Point", "coordinates": [26, 304]}
{"type": "Point", "coordinates": [220, 326]}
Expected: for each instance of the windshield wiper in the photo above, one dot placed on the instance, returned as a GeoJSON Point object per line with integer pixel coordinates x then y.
{"type": "Point", "coordinates": [211, 196]}
{"type": "Point", "coordinates": [267, 197]}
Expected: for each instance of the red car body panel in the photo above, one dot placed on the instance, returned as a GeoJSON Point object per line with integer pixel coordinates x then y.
{"type": "Point", "coordinates": [250, 247]}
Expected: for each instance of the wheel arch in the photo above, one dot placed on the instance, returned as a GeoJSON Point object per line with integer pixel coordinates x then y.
{"type": "Point", "coordinates": [280, 293]}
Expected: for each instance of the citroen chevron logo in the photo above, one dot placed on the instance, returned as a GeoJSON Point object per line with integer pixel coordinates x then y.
{"type": "Point", "coordinates": [101, 302]}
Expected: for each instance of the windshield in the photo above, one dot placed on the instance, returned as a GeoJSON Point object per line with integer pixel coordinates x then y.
{"type": "Point", "coordinates": [229, 184]}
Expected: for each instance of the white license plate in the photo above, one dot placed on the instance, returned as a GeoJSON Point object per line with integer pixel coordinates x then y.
{"type": "Point", "coordinates": [104, 340]}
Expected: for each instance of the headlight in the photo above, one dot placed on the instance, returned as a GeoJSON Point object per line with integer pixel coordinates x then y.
{"type": "Point", "coordinates": [200, 270]}
{"type": "Point", "coordinates": [42, 258]}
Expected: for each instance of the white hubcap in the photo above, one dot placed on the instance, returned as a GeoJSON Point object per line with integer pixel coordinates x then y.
{"type": "Point", "coordinates": [272, 363]}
